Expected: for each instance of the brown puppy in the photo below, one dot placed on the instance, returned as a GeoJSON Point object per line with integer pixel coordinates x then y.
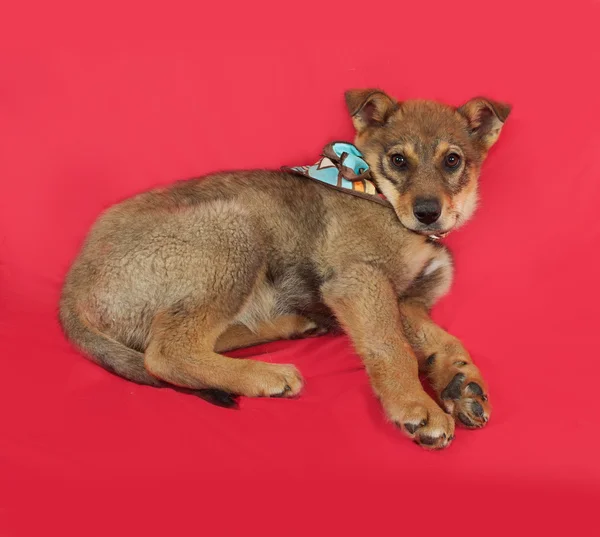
{"type": "Point", "coordinates": [169, 279]}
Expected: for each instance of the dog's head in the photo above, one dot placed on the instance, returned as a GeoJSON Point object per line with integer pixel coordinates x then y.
{"type": "Point", "coordinates": [425, 156]}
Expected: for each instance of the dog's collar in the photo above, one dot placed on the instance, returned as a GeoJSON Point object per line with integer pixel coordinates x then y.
{"type": "Point", "coordinates": [343, 168]}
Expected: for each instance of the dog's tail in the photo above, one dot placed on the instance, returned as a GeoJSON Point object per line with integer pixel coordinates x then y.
{"type": "Point", "coordinates": [120, 359]}
{"type": "Point", "coordinates": [103, 350]}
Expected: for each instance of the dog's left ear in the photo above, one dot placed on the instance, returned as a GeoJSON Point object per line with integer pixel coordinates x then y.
{"type": "Point", "coordinates": [369, 108]}
{"type": "Point", "coordinates": [486, 119]}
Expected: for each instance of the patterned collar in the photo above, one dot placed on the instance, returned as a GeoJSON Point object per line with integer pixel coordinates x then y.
{"type": "Point", "coordinates": [343, 168]}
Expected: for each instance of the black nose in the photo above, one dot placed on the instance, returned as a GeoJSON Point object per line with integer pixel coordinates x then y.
{"type": "Point", "coordinates": [427, 210]}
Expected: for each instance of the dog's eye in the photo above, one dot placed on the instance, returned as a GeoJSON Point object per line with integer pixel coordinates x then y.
{"type": "Point", "coordinates": [452, 160]}
{"type": "Point", "coordinates": [399, 161]}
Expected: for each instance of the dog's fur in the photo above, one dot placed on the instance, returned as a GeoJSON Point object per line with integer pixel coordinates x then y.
{"type": "Point", "coordinates": [169, 279]}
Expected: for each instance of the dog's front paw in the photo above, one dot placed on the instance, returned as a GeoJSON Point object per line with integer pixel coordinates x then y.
{"type": "Point", "coordinates": [462, 391]}
{"type": "Point", "coordinates": [422, 420]}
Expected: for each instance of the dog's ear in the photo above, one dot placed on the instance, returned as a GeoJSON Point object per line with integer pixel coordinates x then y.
{"type": "Point", "coordinates": [369, 107]}
{"type": "Point", "coordinates": [486, 119]}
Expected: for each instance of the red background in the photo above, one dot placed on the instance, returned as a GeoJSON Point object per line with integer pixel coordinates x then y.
{"type": "Point", "coordinates": [100, 102]}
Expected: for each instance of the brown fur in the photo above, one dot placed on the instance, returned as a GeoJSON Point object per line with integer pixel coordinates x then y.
{"type": "Point", "coordinates": [170, 278]}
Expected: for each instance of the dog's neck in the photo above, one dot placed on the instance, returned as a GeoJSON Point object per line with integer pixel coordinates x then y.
{"type": "Point", "coordinates": [343, 168]}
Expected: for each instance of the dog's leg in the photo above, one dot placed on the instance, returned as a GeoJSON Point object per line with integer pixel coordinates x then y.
{"type": "Point", "coordinates": [238, 336]}
{"type": "Point", "coordinates": [181, 352]}
{"type": "Point", "coordinates": [365, 303]}
{"type": "Point", "coordinates": [449, 368]}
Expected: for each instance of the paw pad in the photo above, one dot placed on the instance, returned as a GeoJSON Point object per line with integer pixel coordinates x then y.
{"type": "Point", "coordinates": [477, 409]}
{"type": "Point", "coordinates": [411, 427]}
{"type": "Point", "coordinates": [466, 401]}
{"type": "Point", "coordinates": [428, 440]}
{"type": "Point", "coordinates": [474, 388]}
{"type": "Point", "coordinates": [454, 389]}
{"type": "Point", "coordinates": [464, 419]}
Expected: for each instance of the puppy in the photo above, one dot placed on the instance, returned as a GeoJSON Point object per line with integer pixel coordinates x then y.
{"type": "Point", "coordinates": [170, 279]}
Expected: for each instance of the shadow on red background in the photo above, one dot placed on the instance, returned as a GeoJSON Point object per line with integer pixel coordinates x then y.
{"type": "Point", "coordinates": [97, 103]}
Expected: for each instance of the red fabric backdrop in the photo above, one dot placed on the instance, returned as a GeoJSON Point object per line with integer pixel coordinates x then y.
{"type": "Point", "coordinates": [98, 102]}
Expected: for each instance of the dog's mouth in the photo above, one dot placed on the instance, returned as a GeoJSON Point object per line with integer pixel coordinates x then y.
{"type": "Point", "coordinates": [435, 231]}
{"type": "Point", "coordinates": [435, 235]}
{"type": "Point", "coordinates": [438, 236]}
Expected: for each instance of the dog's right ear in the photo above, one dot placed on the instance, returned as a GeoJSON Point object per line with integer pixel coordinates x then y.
{"type": "Point", "coordinates": [369, 108]}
